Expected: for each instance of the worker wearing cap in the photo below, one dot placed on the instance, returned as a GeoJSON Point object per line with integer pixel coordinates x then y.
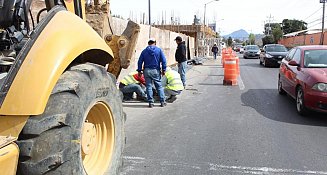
{"type": "Point", "coordinates": [214, 50]}
{"type": "Point", "coordinates": [154, 62]}
{"type": "Point", "coordinates": [172, 84]}
{"type": "Point", "coordinates": [132, 83]}
{"type": "Point", "coordinates": [180, 57]}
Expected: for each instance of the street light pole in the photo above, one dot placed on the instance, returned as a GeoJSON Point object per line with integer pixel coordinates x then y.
{"type": "Point", "coordinates": [204, 16]}
{"type": "Point", "coordinates": [149, 19]}
{"type": "Point", "coordinates": [204, 21]}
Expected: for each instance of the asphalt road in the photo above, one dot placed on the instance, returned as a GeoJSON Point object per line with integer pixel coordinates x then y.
{"type": "Point", "coordinates": [216, 129]}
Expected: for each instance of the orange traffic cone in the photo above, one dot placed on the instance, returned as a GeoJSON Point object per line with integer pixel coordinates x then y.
{"type": "Point", "coordinates": [230, 71]}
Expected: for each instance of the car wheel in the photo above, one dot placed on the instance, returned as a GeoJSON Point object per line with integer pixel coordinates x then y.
{"type": "Point", "coordinates": [281, 91]}
{"type": "Point", "coordinates": [300, 107]}
{"type": "Point", "coordinates": [244, 57]}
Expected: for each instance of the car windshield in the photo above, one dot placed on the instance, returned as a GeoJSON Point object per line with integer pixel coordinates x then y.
{"type": "Point", "coordinates": [315, 58]}
{"type": "Point", "coordinates": [277, 48]}
{"type": "Point", "coordinates": [252, 48]}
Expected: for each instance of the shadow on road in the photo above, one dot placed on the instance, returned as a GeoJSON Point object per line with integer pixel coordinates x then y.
{"type": "Point", "coordinates": [211, 84]}
{"type": "Point", "coordinates": [212, 66]}
{"type": "Point", "coordinates": [135, 104]}
{"type": "Point", "coordinates": [140, 105]}
{"type": "Point", "coordinates": [257, 65]}
{"type": "Point", "coordinates": [271, 105]}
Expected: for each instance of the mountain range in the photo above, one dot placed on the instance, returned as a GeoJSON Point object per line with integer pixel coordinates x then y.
{"type": "Point", "coordinates": [244, 35]}
{"type": "Point", "coordinates": [239, 34]}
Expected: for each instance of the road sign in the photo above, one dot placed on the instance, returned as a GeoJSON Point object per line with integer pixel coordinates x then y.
{"type": "Point", "coordinates": [323, 1]}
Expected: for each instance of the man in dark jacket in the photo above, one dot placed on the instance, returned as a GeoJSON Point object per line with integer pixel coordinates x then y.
{"type": "Point", "coordinates": [152, 56]}
{"type": "Point", "coordinates": [180, 57]}
{"type": "Point", "coordinates": [214, 50]}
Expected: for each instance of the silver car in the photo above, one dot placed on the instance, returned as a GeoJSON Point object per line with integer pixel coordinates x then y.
{"type": "Point", "coordinates": [251, 51]}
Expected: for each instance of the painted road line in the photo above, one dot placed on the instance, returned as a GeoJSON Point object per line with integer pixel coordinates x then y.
{"type": "Point", "coordinates": [133, 158]}
{"type": "Point", "coordinates": [133, 163]}
{"type": "Point", "coordinates": [255, 170]}
{"type": "Point", "coordinates": [240, 83]}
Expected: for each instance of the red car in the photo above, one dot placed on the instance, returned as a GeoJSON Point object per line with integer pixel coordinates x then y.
{"type": "Point", "coordinates": [303, 75]}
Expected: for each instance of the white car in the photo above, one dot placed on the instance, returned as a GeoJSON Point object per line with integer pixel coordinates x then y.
{"type": "Point", "coordinates": [242, 49]}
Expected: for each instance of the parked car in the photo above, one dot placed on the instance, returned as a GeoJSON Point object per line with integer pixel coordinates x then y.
{"type": "Point", "coordinates": [302, 75]}
{"type": "Point", "coordinates": [242, 49]}
{"type": "Point", "coordinates": [251, 51]}
{"type": "Point", "coordinates": [272, 54]}
{"type": "Point", "coordinates": [237, 47]}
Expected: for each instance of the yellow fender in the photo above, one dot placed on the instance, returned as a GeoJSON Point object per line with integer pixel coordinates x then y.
{"type": "Point", "coordinates": [65, 38]}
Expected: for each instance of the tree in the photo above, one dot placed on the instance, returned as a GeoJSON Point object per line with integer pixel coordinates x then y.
{"type": "Point", "coordinates": [277, 34]}
{"type": "Point", "coordinates": [251, 39]}
{"type": "Point", "coordinates": [269, 27]}
{"type": "Point", "coordinates": [217, 35]}
{"type": "Point", "coordinates": [267, 40]}
{"type": "Point", "coordinates": [293, 25]}
{"type": "Point", "coordinates": [229, 41]}
{"type": "Point", "coordinates": [274, 30]}
{"type": "Point", "coordinates": [224, 40]}
{"type": "Point", "coordinates": [238, 41]}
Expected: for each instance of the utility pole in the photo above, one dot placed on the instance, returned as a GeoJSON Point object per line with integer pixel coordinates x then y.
{"type": "Point", "coordinates": [204, 22]}
{"type": "Point", "coordinates": [149, 19]}
{"type": "Point", "coordinates": [323, 22]}
{"type": "Point", "coordinates": [269, 21]}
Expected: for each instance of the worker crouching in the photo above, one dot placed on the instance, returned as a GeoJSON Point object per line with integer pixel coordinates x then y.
{"type": "Point", "coordinates": [172, 84]}
{"type": "Point", "coordinates": [133, 83]}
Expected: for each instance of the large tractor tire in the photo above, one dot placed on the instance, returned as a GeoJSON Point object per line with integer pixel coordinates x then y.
{"type": "Point", "coordinates": [81, 131]}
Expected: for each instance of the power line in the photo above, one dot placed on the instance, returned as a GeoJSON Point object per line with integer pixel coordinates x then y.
{"type": "Point", "coordinates": [318, 19]}
{"type": "Point", "coordinates": [313, 13]}
{"type": "Point", "coordinates": [313, 25]}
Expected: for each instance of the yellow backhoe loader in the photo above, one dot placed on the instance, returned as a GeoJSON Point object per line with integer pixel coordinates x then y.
{"type": "Point", "coordinates": [60, 110]}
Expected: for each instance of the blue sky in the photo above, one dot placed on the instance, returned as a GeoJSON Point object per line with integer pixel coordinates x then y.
{"type": "Point", "coordinates": [230, 15]}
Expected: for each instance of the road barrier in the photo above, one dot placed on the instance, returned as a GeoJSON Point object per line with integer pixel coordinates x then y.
{"type": "Point", "coordinates": [231, 69]}
{"type": "Point", "coordinates": [237, 65]}
{"type": "Point", "coordinates": [230, 72]}
{"type": "Point", "coordinates": [231, 65]}
{"type": "Point", "coordinates": [226, 53]}
{"type": "Point", "coordinates": [225, 56]}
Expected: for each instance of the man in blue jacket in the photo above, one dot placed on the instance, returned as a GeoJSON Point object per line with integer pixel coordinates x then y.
{"type": "Point", "coordinates": [152, 56]}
